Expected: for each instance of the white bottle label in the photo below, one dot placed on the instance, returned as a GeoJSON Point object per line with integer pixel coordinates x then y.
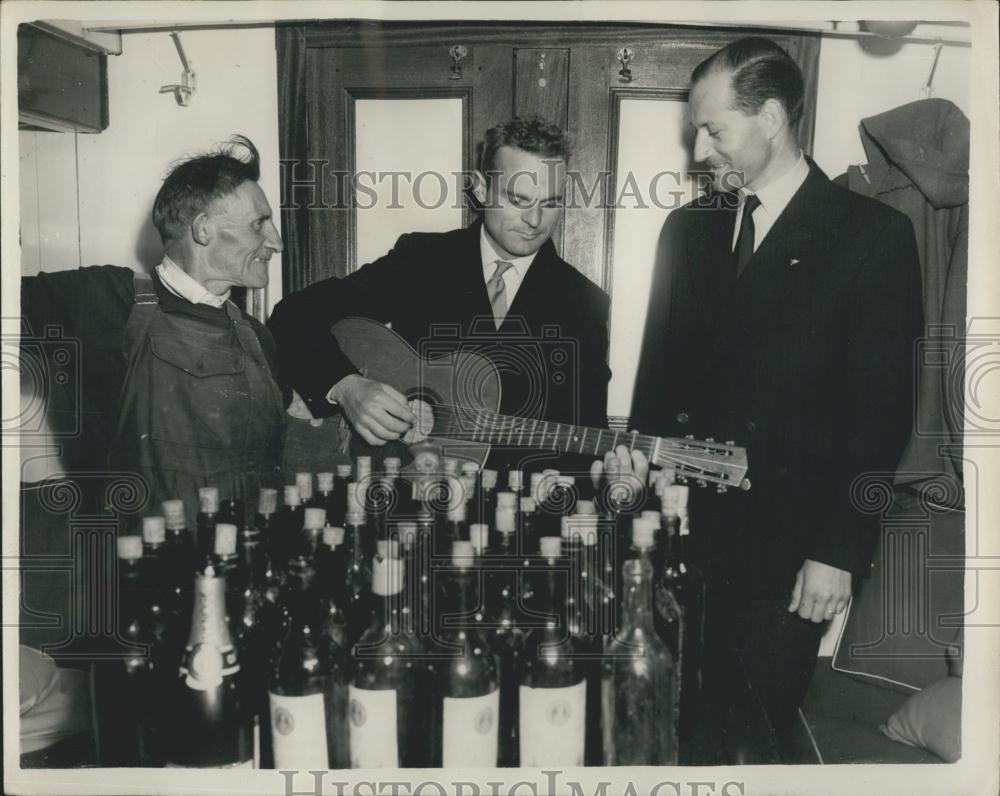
{"type": "Point", "coordinates": [298, 725]}
{"type": "Point", "coordinates": [470, 731]}
{"type": "Point", "coordinates": [372, 716]}
{"type": "Point", "coordinates": [552, 725]}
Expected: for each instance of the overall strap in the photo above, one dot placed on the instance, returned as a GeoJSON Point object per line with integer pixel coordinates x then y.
{"type": "Point", "coordinates": [145, 305]}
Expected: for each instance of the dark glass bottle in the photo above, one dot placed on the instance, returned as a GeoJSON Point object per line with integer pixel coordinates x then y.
{"type": "Point", "coordinates": [179, 562]}
{"type": "Point", "coordinates": [313, 523]}
{"type": "Point", "coordinates": [527, 530]}
{"type": "Point", "coordinates": [258, 625]}
{"type": "Point", "coordinates": [335, 516]}
{"type": "Point", "coordinates": [231, 511]}
{"type": "Point", "coordinates": [308, 688]}
{"type": "Point", "coordinates": [468, 686]}
{"type": "Point", "coordinates": [304, 483]}
{"type": "Point", "coordinates": [208, 724]}
{"type": "Point", "coordinates": [486, 500]}
{"type": "Point", "coordinates": [552, 697]}
{"type": "Point", "coordinates": [288, 527]}
{"type": "Point", "coordinates": [265, 521]}
{"type": "Point", "coordinates": [208, 510]}
{"type": "Point", "coordinates": [127, 682]}
{"type": "Point", "coordinates": [390, 695]}
{"type": "Point", "coordinates": [638, 681]}
{"type": "Point", "coordinates": [324, 494]}
{"type": "Point", "coordinates": [360, 603]}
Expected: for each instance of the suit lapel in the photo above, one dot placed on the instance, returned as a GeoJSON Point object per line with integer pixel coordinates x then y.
{"type": "Point", "coordinates": [709, 251]}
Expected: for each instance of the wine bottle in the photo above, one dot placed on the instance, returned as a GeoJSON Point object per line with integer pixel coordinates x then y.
{"type": "Point", "coordinates": [126, 682]}
{"type": "Point", "coordinates": [486, 500]}
{"type": "Point", "coordinates": [336, 515]}
{"type": "Point", "coordinates": [360, 604]}
{"type": "Point", "coordinates": [468, 682]}
{"type": "Point", "coordinates": [324, 494]}
{"type": "Point", "coordinates": [265, 521]}
{"type": "Point", "coordinates": [308, 702]}
{"type": "Point", "coordinates": [208, 509]}
{"type": "Point", "coordinates": [231, 511]}
{"type": "Point", "coordinates": [638, 681]}
{"type": "Point", "coordinates": [313, 522]}
{"type": "Point", "coordinates": [304, 483]}
{"type": "Point", "coordinates": [552, 697]}
{"type": "Point", "coordinates": [389, 692]}
{"type": "Point", "coordinates": [289, 522]}
{"type": "Point", "coordinates": [179, 559]}
{"type": "Point", "coordinates": [207, 719]}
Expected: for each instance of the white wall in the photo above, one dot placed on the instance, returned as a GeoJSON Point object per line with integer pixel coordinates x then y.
{"type": "Point", "coordinates": [108, 181]}
{"type": "Point", "coordinates": [853, 85]}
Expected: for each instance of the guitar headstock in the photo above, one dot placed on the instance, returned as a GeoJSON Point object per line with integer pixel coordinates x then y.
{"type": "Point", "coordinates": [704, 462]}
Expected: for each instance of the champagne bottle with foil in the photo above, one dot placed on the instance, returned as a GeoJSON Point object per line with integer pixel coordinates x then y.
{"type": "Point", "coordinates": [552, 697]}
{"type": "Point", "coordinates": [468, 684]}
{"type": "Point", "coordinates": [208, 511]}
{"type": "Point", "coordinates": [208, 724]}
{"type": "Point", "coordinates": [638, 685]}
{"type": "Point", "coordinates": [126, 682]}
{"type": "Point", "coordinates": [308, 689]}
{"type": "Point", "coordinates": [390, 703]}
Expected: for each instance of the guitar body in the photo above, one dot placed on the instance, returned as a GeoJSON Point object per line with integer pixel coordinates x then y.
{"type": "Point", "coordinates": [463, 378]}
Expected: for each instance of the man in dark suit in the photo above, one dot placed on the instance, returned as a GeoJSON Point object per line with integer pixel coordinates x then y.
{"type": "Point", "coordinates": [497, 287]}
{"type": "Point", "coordinates": [783, 316]}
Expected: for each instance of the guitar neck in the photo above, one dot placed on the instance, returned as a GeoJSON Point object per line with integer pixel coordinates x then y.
{"type": "Point", "coordinates": [494, 429]}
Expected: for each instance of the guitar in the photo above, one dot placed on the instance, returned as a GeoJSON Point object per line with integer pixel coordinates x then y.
{"type": "Point", "coordinates": [456, 398]}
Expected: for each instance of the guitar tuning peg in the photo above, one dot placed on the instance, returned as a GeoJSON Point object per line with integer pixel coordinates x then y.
{"type": "Point", "coordinates": [689, 436]}
{"type": "Point", "coordinates": [709, 439]}
{"type": "Point", "coordinates": [731, 442]}
{"type": "Point", "coordinates": [722, 489]}
{"type": "Point", "coordinates": [702, 482]}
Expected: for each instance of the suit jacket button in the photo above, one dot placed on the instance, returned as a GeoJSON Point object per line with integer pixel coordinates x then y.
{"type": "Point", "coordinates": [683, 418]}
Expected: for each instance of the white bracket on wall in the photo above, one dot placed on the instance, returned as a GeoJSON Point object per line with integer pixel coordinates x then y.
{"type": "Point", "coordinates": [182, 91]}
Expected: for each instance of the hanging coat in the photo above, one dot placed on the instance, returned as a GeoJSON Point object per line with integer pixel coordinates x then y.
{"type": "Point", "coordinates": [918, 162]}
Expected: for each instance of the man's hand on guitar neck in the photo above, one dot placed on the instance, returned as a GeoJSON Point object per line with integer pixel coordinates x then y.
{"type": "Point", "coordinates": [375, 410]}
{"type": "Point", "coordinates": [620, 462]}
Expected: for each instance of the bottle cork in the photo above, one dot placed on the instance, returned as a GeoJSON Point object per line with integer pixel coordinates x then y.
{"type": "Point", "coordinates": [479, 536]}
{"type": "Point", "coordinates": [292, 496]}
{"type": "Point", "coordinates": [462, 554]}
{"type": "Point", "coordinates": [129, 547]}
{"type": "Point", "coordinates": [505, 520]}
{"type": "Point", "coordinates": [267, 501]}
{"type": "Point", "coordinates": [586, 507]}
{"type": "Point", "coordinates": [343, 470]}
{"type": "Point", "coordinates": [304, 481]}
{"type": "Point", "coordinates": [653, 517]}
{"type": "Point", "coordinates": [515, 480]}
{"type": "Point", "coordinates": [506, 500]}
{"type": "Point", "coordinates": [643, 533]}
{"type": "Point", "coordinates": [314, 519]}
{"type": "Point", "coordinates": [528, 505]}
{"type": "Point", "coordinates": [550, 546]}
{"type": "Point", "coordinates": [392, 465]}
{"type": "Point", "coordinates": [470, 468]}
{"type": "Point", "coordinates": [173, 514]}
{"type": "Point", "coordinates": [333, 536]}
{"type": "Point", "coordinates": [225, 539]}
{"type": "Point", "coordinates": [489, 479]}
{"type": "Point", "coordinates": [324, 482]}
{"type": "Point", "coordinates": [208, 499]}
{"type": "Point", "coordinates": [153, 530]}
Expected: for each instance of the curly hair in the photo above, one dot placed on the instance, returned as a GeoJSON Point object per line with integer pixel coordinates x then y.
{"type": "Point", "coordinates": [532, 134]}
{"type": "Point", "coordinates": [761, 70]}
{"type": "Point", "coordinates": [193, 184]}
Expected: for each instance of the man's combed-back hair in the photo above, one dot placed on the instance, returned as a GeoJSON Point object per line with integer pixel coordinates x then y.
{"type": "Point", "coordinates": [532, 134]}
{"type": "Point", "coordinates": [761, 70]}
{"type": "Point", "coordinates": [194, 184]}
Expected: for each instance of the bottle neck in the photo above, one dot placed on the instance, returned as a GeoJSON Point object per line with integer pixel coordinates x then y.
{"type": "Point", "coordinates": [208, 618]}
{"type": "Point", "coordinates": [637, 605]}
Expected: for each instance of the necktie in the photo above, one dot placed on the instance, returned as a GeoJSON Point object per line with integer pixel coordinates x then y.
{"type": "Point", "coordinates": [497, 291]}
{"type": "Point", "coordinates": [744, 242]}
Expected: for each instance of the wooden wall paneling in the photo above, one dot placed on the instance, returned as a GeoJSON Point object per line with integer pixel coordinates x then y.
{"type": "Point", "coordinates": [493, 91]}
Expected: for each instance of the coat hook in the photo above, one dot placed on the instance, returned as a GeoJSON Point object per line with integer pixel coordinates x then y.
{"type": "Point", "coordinates": [185, 89]}
{"type": "Point", "coordinates": [927, 91]}
{"type": "Point", "coordinates": [625, 55]}
{"type": "Point", "coordinates": [457, 53]}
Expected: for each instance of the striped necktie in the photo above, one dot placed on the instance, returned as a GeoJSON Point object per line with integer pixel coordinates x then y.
{"type": "Point", "coordinates": [497, 291]}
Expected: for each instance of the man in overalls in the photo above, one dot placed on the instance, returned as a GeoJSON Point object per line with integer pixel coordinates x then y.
{"type": "Point", "coordinates": [174, 386]}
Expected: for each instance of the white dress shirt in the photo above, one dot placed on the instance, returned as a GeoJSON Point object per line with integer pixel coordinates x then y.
{"type": "Point", "coordinates": [774, 198]}
{"type": "Point", "coordinates": [512, 277]}
{"type": "Point", "coordinates": [184, 286]}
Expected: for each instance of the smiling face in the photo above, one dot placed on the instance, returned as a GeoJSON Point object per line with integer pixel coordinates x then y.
{"type": "Point", "coordinates": [736, 146]}
{"type": "Point", "coordinates": [522, 201]}
{"type": "Point", "coordinates": [242, 239]}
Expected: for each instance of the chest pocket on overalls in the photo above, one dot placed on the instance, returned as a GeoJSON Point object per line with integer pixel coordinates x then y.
{"type": "Point", "coordinates": [201, 397]}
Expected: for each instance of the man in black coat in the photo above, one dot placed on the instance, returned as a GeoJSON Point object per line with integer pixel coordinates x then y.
{"type": "Point", "coordinates": [497, 287]}
{"type": "Point", "coordinates": [783, 316]}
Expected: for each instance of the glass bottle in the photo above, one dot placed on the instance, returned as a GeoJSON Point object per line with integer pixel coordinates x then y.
{"type": "Point", "coordinates": [208, 510]}
{"type": "Point", "coordinates": [324, 494]}
{"type": "Point", "coordinates": [308, 701]}
{"type": "Point", "coordinates": [304, 483]}
{"type": "Point", "coordinates": [127, 684]}
{"type": "Point", "coordinates": [552, 696]}
{"type": "Point", "coordinates": [208, 722]}
{"type": "Point", "coordinates": [638, 683]}
{"type": "Point", "coordinates": [389, 694]}
{"type": "Point", "coordinates": [360, 603]}
{"type": "Point", "coordinates": [265, 520]}
{"type": "Point", "coordinates": [313, 522]}
{"type": "Point", "coordinates": [468, 688]}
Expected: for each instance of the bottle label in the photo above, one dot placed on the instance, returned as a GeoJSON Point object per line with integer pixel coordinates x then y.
{"type": "Point", "coordinates": [372, 716]}
{"type": "Point", "coordinates": [298, 725]}
{"type": "Point", "coordinates": [552, 725]}
{"type": "Point", "coordinates": [470, 731]}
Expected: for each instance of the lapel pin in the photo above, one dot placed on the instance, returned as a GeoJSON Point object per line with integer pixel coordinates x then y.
{"type": "Point", "coordinates": [794, 261]}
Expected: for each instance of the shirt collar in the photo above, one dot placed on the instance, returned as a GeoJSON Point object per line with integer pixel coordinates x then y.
{"type": "Point", "coordinates": [490, 255]}
{"type": "Point", "coordinates": [776, 195]}
{"type": "Point", "coordinates": [182, 284]}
